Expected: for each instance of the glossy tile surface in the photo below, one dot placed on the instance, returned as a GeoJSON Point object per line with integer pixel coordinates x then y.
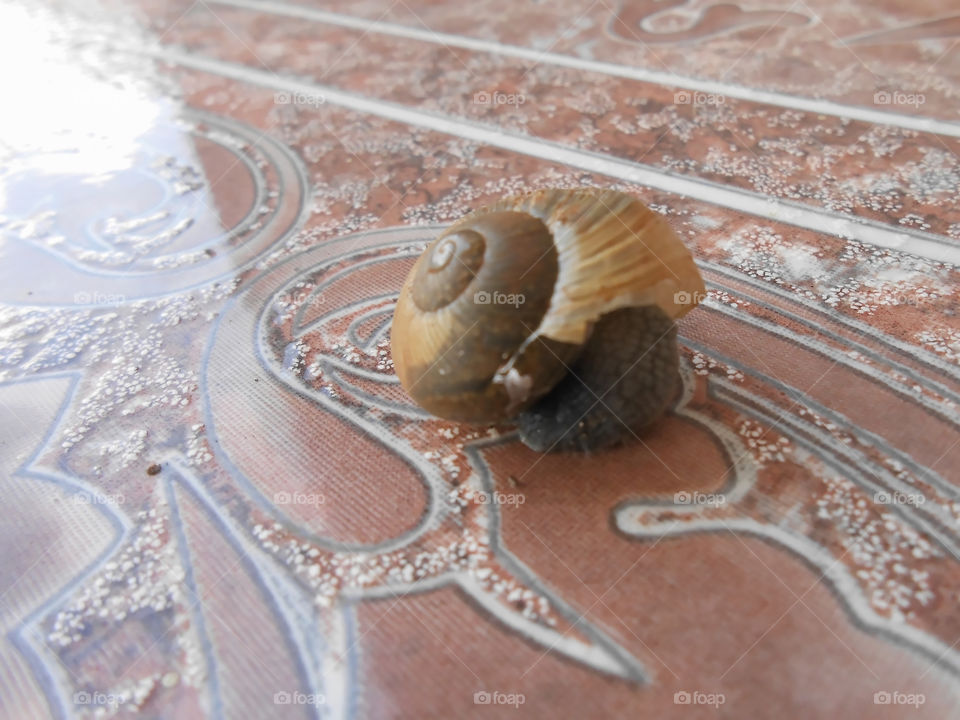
{"type": "Point", "coordinates": [220, 503]}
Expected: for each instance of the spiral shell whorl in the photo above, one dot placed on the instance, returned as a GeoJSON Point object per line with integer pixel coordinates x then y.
{"type": "Point", "coordinates": [453, 262]}
{"type": "Point", "coordinates": [471, 301]}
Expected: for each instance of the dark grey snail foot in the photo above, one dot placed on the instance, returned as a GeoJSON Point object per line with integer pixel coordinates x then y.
{"type": "Point", "coordinates": [625, 378]}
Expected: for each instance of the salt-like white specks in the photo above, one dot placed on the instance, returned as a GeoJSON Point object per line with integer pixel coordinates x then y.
{"type": "Point", "coordinates": [754, 250]}
{"type": "Point", "coordinates": [861, 279]}
{"type": "Point", "coordinates": [286, 305]}
{"type": "Point", "coordinates": [144, 582]}
{"type": "Point", "coordinates": [189, 306]}
{"type": "Point", "coordinates": [915, 221]}
{"type": "Point", "coordinates": [705, 222]}
{"type": "Point", "coordinates": [943, 341]}
{"type": "Point", "coordinates": [936, 177]}
{"type": "Point", "coordinates": [799, 262]}
{"type": "Point", "coordinates": [464, 551]}
{"type": "Point", "coordinates": [319, 231]}
{"type": "Point", "coordinates": [723, 297]}
{"type": "Point", "coordinates": [884, 277]}
{"type": "Point", "coordinates": [764, 448]}
{"type": "Point", "coordinates": [898, 470]}
{"type": "Point", "coordinates": [448, 433]}
{"type": "Point", "coordinates": [888, 553]}
{"type": "Point", "coordinates": [597, 101]}
{"type": "Point", "coordinates": [823, 423]}
{"type": "Point", "coordinates": [293, 356]}
{"type": "Point", "coordinates": [11, 354]}
{"type": "Point", "coordinates": [885, 140]}
{"type": "Point", "coordinates": [464, 196]}
{"type": "Point", "coordinates": [384, 360]}
{"type": "Point", "coordinates": [329, 574]}
{"type": "Point", "coordinates": [780, 165]}
{"type": "Point", "coordinates": [348, 352]}
{"type": "Point", "coordinates": [126, 698]}
{"type": "Point", "coordinates": [449, 464]}
{"type": "Point", "coordinates": [880, 455]}
{"type": "Point", "coordinates": [126, 450]}
{"type": "Point", "coordinates": [183, 177]}
{"type": "Point", "coordinates": [53, 339]}
{"type": "Point", "coordinates": [198, 447]}
{"type": "Point", "coordinates": [703, 364]}
{"type": "Point", "coordinates": [147, 380]}
{"type": "Point", "coordinates": [136, 392]}
{"type": "Point", "coordinates": [168, 262]}
{"type": "Point", "coordinates": [145, 576]}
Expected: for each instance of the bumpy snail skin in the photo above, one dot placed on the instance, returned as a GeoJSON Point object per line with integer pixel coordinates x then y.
{"type": "Point", "coordinates": [502, 304]}
{"type": "Point", "coordinates": [624, 380]}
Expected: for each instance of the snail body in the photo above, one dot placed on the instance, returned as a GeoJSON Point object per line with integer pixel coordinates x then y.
{"type": "Point", "coordinates": [543, 304]}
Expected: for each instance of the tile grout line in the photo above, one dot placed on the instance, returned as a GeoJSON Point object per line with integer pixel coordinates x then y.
{"type": "Point", "coordinates": [658, 77]}
{"type": "Point", "coordinates": [871, 233]}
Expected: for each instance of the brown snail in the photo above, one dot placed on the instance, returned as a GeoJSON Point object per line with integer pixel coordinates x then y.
{"type": "Point", "coordinates": [555, 309]}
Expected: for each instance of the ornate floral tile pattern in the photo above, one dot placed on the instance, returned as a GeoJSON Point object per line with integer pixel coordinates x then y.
{"type": "Point", "coordinates": [219, 502]}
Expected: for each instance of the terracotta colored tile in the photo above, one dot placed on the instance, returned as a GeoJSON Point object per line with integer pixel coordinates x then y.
{"type": "Point", "coordinates": [221, 503]}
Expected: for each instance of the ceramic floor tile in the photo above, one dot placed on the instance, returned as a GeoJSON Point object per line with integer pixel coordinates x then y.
{"type": "Point", "coordinates": [220, 502]}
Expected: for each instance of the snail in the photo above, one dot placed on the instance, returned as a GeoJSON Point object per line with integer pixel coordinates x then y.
{"type": "Point", "coordinates": [555, 310]}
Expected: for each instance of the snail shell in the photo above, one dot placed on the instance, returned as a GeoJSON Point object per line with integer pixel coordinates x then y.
{"type": "Point", "coordinates": [569, 289]}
